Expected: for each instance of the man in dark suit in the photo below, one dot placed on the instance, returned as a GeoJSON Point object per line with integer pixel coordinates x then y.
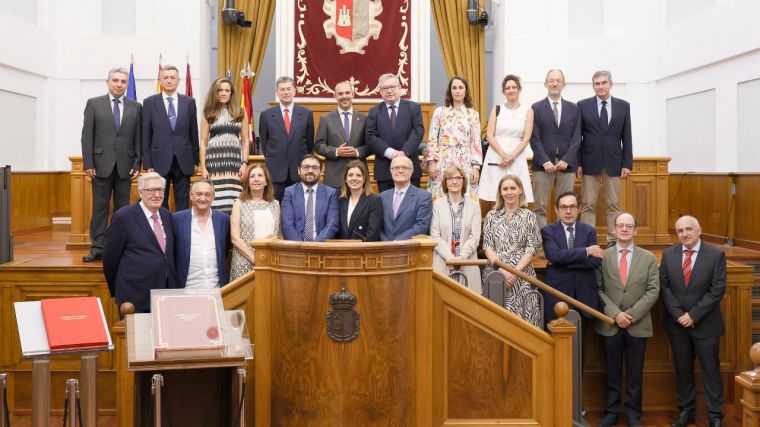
{"type": "Point", "coordinates": [170, 137]}
{"type": "Point", "coordinates": [693, 281]}
{"type": "Point", "coordinates": [573, 255]}
{"type": "Point", "coordinates": [286, 132]}
{"type": "Point", "coordinates": [407, 210]}
{"type": "Point", "coordinates": [340, 136]}
{"type": "Point", "coordinates": [555, 141]}
{"type": "Point", "coordinates": [310, 210]}
{"type": "Point", "coordinates": [201, 241]}
{"type": "Point", "coordinates": [139, 252]}
{"type": "Point", "coordinates": [394, 129]}
{"type": "Point", "coordinates": [629, 285]}
{"type": "Point", "coordinates": [605, 154]}
{"type": "Point", "coordinates": [111, 153]}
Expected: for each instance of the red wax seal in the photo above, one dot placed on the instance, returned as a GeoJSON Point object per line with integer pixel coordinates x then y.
{"type": "Point", "coordinates": [212, 333]}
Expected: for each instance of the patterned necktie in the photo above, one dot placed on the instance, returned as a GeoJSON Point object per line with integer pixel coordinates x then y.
{"type": "Point", "coordinates": [159, 232]}
{"type": "Point", "coordinates": [287, 121]}
{"type": "Point", "coordinates": [308, 229]}
{"type": "Point", "coordinates": [570, 238]}
{"type": "Point", "coordinates": [603, 118]}
{"type": "Point", "coordinates": [393, 116]}
{"type": "Point", "coordinates": [556, 112]}
{"type": "Point", "coordinates": [116, 113]}
{"type": "Point", "coordinates": [623, 267]}
{"type": "Point", "coordinates": [397, 202]}
{"type": "Point", "coordinates": [172, 113]}
{"type": "Point", "coordinates": [346, 125]}
{"type": "Point", "coordinates": [686, 267]}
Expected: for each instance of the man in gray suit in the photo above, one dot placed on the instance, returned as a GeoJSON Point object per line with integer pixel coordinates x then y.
{"type": "Point", "coordinates": [111, 153]}
{"type": "Point", "coordinates": [629, 286]}
{"type": "Point", "coordinates": [340, 136]}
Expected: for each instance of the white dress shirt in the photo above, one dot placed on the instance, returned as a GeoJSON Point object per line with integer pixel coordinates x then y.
{"type": "Point", "coordinates": [559, 108]}
{"type": "Point", "coordinates": [149, 215]}
{"type": "Point", "coordinates": [202, 272]}
{"type": "Point", "coordinates": [693, 255]}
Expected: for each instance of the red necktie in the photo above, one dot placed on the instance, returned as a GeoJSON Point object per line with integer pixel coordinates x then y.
{"type": "Point", "coordinates": [686, 267]}
{"type": "Point", "coordinates": [287, 121]}
{"type": "Point", "coordinates": [623, 267]}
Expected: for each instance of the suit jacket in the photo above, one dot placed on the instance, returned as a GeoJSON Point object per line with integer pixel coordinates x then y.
{"type": "Point", "coordinates": [570, 271]}
{"type": "Point", "coordinates": [407, 136]}
{"type": "Point", "coordinates": [549, 140]}
{"type": "Point", "coordinates": [161, 144]}
{"type": "Point", "coordinates": [105, 147]}
{"type": "Point", "coordinates": [413, 216]}
{"type": "Point", "coordinates": [283, 151]}
{"type": "Point", "coordinates": [605, 148]}
{"type": "Point", "coordinates": [700, 298]}
{"type": "Point", "coordinates": [183, 221]}
{"type": "Point", "coordinates": [294, 218]}
{"type": "Point", "coordinates": [133, 261]}
{"type": "Point", "coordinates": [469, 238]}
{"type": "Point", "coordinates": [330, 135]}
{"type": "Point", "coordinates": [636, 298]}
{"type": "Point", "coordinates": [366, 219]}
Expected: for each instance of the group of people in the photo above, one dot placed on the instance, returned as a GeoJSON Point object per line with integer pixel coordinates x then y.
{"type": "Point", "coordinates": [147, 247]}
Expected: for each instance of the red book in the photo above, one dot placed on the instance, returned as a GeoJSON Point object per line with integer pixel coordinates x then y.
{"type": "Point", "coordinates": [187, 325]}
{"type": "Point", "coordinates": [73, 323]}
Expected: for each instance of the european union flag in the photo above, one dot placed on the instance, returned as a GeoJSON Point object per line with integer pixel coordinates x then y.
{"type": "Point", "coordinates": [131, 89]}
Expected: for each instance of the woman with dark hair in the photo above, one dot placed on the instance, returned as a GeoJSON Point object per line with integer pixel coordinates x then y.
{"type": "Point", "coordinates": [224, 143]}
{"type": "Point", "coordinates": [454, 139]}
{"type": "Point", "coordinates": [456, 227]}
{"type": "Point", "coordinates": [510, 234]}
{"type": "Point", "coordinates": [361, 212]}
{"type": "Point", "coordinates": [255, 215]}
{"type": "Point", "coordinates": [509, 128]}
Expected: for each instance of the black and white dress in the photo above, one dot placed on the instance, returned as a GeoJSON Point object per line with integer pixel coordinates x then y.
{"type": "Point", "coordinates": [223, 159]}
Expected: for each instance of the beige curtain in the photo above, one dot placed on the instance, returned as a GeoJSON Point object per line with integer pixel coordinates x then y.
{"type": "Point", "coordinates": [238, 45]}
{"type": "Point", "coordinates": [463, 48]}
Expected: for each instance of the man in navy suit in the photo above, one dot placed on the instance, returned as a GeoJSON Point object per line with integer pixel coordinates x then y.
{"type": "Point", "coordinates": [555, 141]}
{"type": "Point", "coordinates": [310, 210]}
{"type": "Point", "coordinates": [394, 129]}
{"type": "Point", "coordinates": [286, 132]}
{"type": "Point", "coordinates": [573, 255]}
{"type": "Point", "coordinates": [170, 137]}
{"type": "Point", "coordinates": [201, 241]}
{"type": "Point", "coordinates": [692, 284]}
{"type": "Point", "coordinates": [606, 153]}
{"type": "Point", "coordinates": [139, 252]}
{"type": "Point", "coordinates": [407, 210]}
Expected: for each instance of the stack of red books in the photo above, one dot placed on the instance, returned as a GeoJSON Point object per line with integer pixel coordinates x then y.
{"type": "Point", "coordinates": [74, 324]}
{"type": "Point", "coordinates": [187, 325]}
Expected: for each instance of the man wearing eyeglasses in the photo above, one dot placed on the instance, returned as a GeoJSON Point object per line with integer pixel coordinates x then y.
{"type": "Point", "coordinates": [201, 240]}
{"type": "Point", "coordinates": [139, 250]}
{"type": "Point", "coordinates": [407, 210]}
{"type": "Point", "coordinates": [310, 210]}
{"type": "Point", "coordinates": [394, 129]}
{"type": "Point", "coordinates": [629, 286]}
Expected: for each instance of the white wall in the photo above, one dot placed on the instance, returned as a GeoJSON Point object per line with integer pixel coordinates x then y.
{"type": "Point", "coordinates": [63, 59]}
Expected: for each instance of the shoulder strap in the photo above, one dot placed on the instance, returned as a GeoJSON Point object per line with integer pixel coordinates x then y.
{"type": "Point", "coordinates": [498, 109]}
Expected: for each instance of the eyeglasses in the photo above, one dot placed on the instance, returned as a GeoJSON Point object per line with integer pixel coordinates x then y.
{"type": "Point", "coordinates": [454, 178]}
{"type": "Point", "coordinates": [311, 167]}
{"type": "Point", "coordinates": [157, 190]}
{"type": "Point", "coordinates": [625, 226]}
{"type": "Point", "coordinates": [568, 207]}
{"type": "Point", "coordinates": [400, 168]}
{"type": "Point", "coordinates": [388, 87]}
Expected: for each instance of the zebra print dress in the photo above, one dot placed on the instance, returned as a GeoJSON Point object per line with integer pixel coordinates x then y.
{"type": "Point", "coordinates": [223, 159]}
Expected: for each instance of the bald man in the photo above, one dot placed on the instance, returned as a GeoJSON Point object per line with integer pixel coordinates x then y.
{"type": "Point", "coordinates": [407, 210]}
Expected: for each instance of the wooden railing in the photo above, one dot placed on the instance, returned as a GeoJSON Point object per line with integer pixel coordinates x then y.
{"type": "Point", "coordinates": [749, 384]}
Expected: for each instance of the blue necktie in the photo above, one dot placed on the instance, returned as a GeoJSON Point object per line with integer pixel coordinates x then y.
{"type": "Point", "coordinates": [308, 229]}
{"type": "Point", "coordinates": [116, 113]}
{"type": "Point", "coordinates": [172, 113]}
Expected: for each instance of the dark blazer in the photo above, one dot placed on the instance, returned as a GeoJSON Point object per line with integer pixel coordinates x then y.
{"type": "Point", "coordinates": [605, 147]}
{"type": "Point", "coordinates": [161, 144]}
{"type": "Point", "coordinates": [549, 140]}
{"type": "Point", "coordinates": [366, 219]}
{"type": "Point", "coordinates": [330, 135]}
{"type": "Point", "coordinates": [133, 262]}
{"type": "Point", "coordinates": [570, 271]}
{"type": "Point", "coordinates": [105, 147]}
{"type": "Point", "coordinates": [413, 217]}
{"type": "Point", "coordinates": [326, 213]}
{"type": "Point", "coordinates": [283, 151]}
{"type": "Point", "coordinates": [701, 298]}
{"type": "Point", "coordinates": [183, 221]}
{"type": "Point", "coordinates": [407, 136]}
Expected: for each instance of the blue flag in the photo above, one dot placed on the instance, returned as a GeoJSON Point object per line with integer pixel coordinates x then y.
{"type": "Point", "coordinates": [131, 89]}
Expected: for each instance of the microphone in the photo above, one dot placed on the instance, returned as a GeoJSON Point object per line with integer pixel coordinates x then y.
{"type": "Point", "coordinates": [363, 237]}
{"type": "Point", "coordinates": [324, 231]}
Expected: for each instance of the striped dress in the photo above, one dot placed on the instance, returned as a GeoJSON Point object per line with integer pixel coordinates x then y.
{"type": "Point", "coordinates": [223, 158]}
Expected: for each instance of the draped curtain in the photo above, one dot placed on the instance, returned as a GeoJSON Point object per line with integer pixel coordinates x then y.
{"type": "Point", "coordinates": [463, 48]}
{"type": "Point", "coordinates": [238, 45]}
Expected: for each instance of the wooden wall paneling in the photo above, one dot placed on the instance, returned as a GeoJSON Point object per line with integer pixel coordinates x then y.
{"type": "Point", "coordinates": [746, 209]}
{"type": "Point", "coordinates": [36, 197]}
{"type": "Point", "coordinates": [704, 196]}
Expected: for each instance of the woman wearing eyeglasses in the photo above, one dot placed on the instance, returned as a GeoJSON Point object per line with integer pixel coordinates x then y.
{"type": "Point", "coordinates": [456, 227]}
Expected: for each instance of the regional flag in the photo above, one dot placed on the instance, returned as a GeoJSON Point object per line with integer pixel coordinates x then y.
{"type": "Point", "coordinates": [158, 78]}
{"type": "Point", "coordinates": [188, 80]}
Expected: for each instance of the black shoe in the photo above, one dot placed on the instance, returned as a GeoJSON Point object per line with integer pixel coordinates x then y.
{"type": "Point", "coordinates": [608, 420]}
{"type": "Point", "coordinates": [634, 422]}
{"type": "Point", "coordinates": [684, 419]}
{"type": "Point", "coordinates": [92, 257]}
{"type": "Point", "coordinates": [716, 423]}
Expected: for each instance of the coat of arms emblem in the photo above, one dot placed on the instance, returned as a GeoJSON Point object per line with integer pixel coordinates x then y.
{"type": "Point", "coordinates": [343, 320]}
{"type": "Point", "coordinates": [352, 23]}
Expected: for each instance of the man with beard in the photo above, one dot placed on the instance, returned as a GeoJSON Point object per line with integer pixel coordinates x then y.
{"type": "Point", "coordinates": [309, 210]}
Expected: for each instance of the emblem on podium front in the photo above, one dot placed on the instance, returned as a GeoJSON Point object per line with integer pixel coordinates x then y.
{"type": "Point", "coordinates": [343, 320]}
{"type": "Point", "coordinates": [352, 23]}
